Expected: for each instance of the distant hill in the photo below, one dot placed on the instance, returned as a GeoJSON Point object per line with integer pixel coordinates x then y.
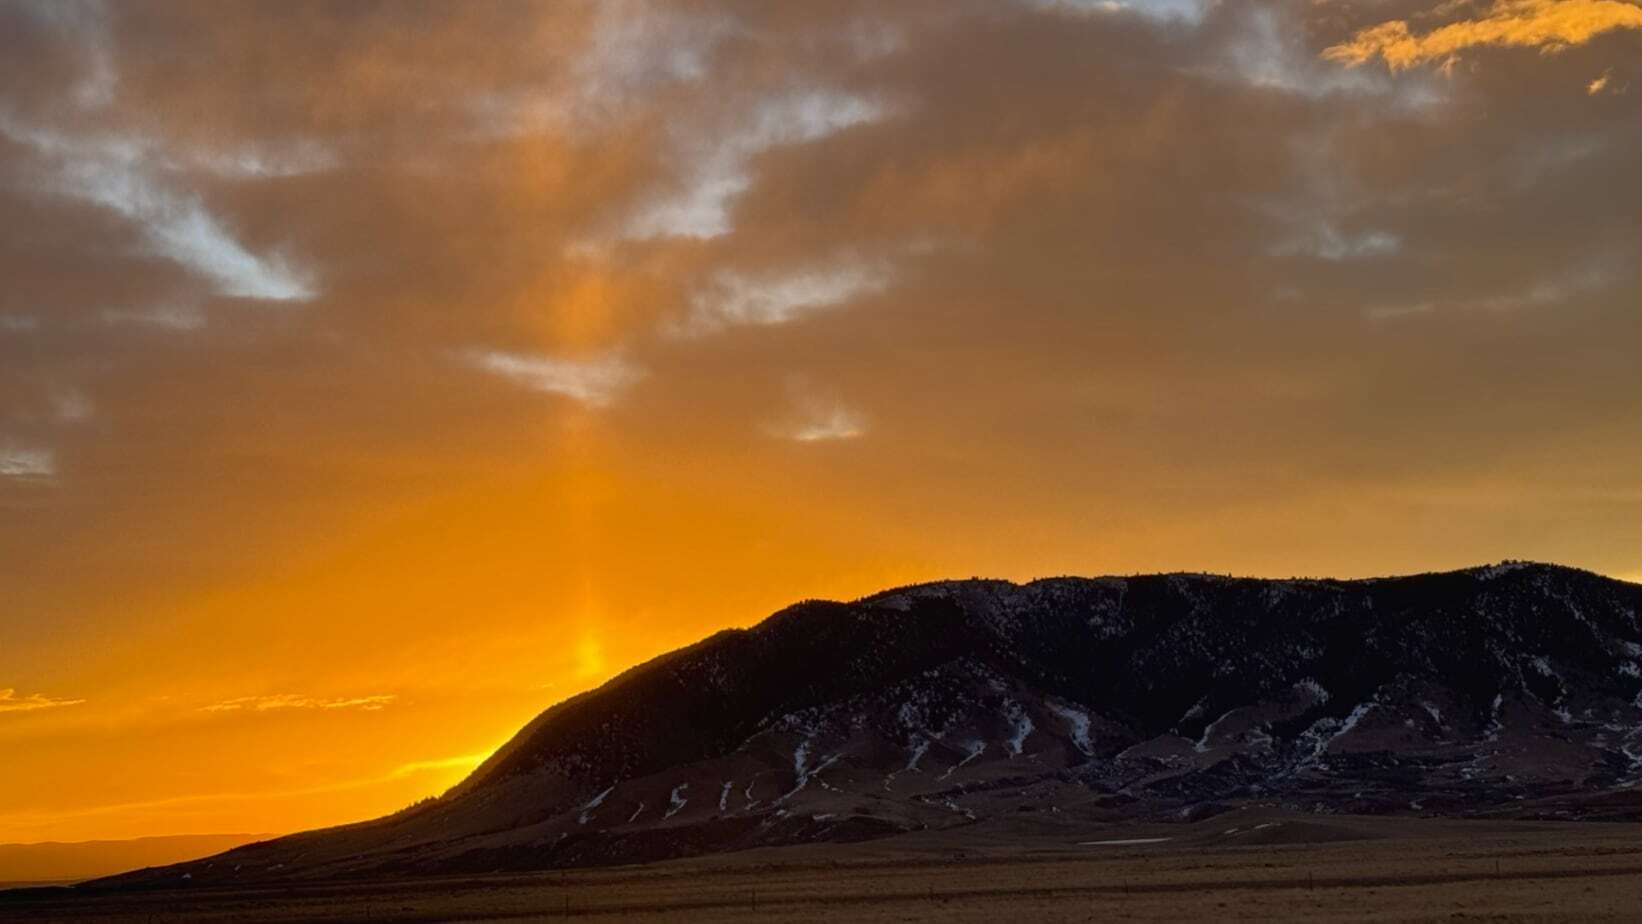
{"type": "Point", "coordinates": [1511, 690]}
{"type": "Point", "coordinates": [35, 864]}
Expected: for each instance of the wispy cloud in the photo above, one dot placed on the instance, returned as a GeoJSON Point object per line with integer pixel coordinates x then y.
{"type": "Point", "coordinates": [817, 415]}
{"type": "Point", "coordinates": [595, 382]}
{"type": "Point", "coordinates": [175, 317]}
{"type": "Point", "coordinates": [719, 160]}
{"type": "Point", "coordinates": [1600, 84]}
{"type": "Point", "coordinates": [72, 406]}
{"type": "Point", "coordinates": [636, 48]}
{"type": "Point", "coordinates": [11, 702]}
{"type": "Point", "coordinates": [279, 701]}
{"type": "Point", "coordinates": [736, 298]}
{"type": "Point", "coordinates": [1325, 240]}
{"type": "Point", "coordinates": [1586, 279]}
{"type": "Point", "coordinates": [297, 157]}
{"type": "Point", "coordinates": [1184, 11]}
{"type": "Point", "coordinates": [634, 51]}
{"type": "Point", "coordinates": [85, 22]}
{"type": "Point", "coordinates": [1325, 213]}
{"type": "Point", "coordinates": [1548, 25]}
{"type": "Point", "coordinates": [26, 462]}
{"type": "Point", "coordinates": [119, 174]}
{"type": "Point", "coordinates": [1264, 47]}
{"type": "Point", "coordinates": [1553, 291]}
{"type": "Point", "coordinates": [823, 423]}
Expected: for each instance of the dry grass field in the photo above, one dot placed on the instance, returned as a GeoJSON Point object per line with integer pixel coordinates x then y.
{"type": "Point", "coordinates": [1249, 865]}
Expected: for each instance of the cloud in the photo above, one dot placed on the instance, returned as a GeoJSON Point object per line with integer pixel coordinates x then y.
{"type": "Point", "coordinates": [821, 421]}
{"type": "Point", "coordinates": [767, 298]}
{"type": "Point", "coordinates": [638, 47]}
{"type": "Point", "coordinates": [118, 174]}
{"type": "Point", "coordinates": [1324, 240]}
{"type": "Point", "coordinates": [1184, 11]}
{"type": "Point", "coordinates": [85, 24]}
{"type": "Point", "coordinates": [1265, 48]}
{"type": "Point", "coordinates": [1548, 25]}
{"type": "Point", "coordinates": [1600, 84]}
{"type": "Point", "coordinates": [1589, 277]}
{"type": "Point", "coordinates": [72, 406]}
{"type": "Point", "coordinates": [11, 702]}
{"type": "Point", "coordinates": [296, 157]}
{"type": "Point", "coordinates": [632, 52]}
{"type": "Point", "coordinates": [817, 414]}
{"type": "Point", "coordinates": [1321, 214]}
{"type": "Point", "coordinates": [281, 701]}
{"type": "Point", "coordinates": [594, 382]}
{"type": "Point", "coordinates": [718, 162]}
{"type": "Point", "coordinates": [175, 317]}
{"type": "Point", "coordinates": [26, 462]}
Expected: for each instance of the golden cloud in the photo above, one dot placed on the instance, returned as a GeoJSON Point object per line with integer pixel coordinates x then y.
{"type": "Point", "coordinates": [1549, 25]}
{"type": "Point", "coordinates": [295, 701]}
{"type": "Point", "coordinates": [11, 702]}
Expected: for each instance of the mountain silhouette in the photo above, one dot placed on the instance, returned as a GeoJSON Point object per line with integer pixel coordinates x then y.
{"type": "Point", "coordinates": [1513, 690]}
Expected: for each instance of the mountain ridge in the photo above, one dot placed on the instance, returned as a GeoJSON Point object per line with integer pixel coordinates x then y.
{"type": "Point", "coordinates": [1507, 688]}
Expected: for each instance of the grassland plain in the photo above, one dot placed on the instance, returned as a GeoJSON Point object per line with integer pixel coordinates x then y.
{"type": "Point", "coordinates": [1248, 865]}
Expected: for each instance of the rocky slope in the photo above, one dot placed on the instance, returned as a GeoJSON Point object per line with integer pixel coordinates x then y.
{"type": "Point", "coordinates": [1514, 689]}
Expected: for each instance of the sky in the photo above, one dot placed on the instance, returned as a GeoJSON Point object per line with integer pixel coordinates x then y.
{"type": "Point", "coordinates": [376, 374]}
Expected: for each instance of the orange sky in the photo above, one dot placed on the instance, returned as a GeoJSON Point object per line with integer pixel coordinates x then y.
{"type": "Point", "coordinates": [374, 376]}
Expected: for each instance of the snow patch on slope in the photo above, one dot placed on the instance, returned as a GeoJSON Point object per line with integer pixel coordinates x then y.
{"type": "Point", "coordinates": [1324, 732]}
{"type": "Point", "coordinates": [1203, 742]}
{"type": "Point", "coordinates": [676, 801]}
{"type": "Point", "coordinates": [916, 755]}
{"type": "Point", "coordinates": [1432, 710]}
{"type": "Point", "coordinates": [1079, 722]}
{"type": "Point", "coordinates": [593, 803]}
{"type": "Point", "coordinates": [1022, 727]}
{"type": "Point", "coordinates": [976, 748]}
{"type": "Point", "coordinates": [802, 769]}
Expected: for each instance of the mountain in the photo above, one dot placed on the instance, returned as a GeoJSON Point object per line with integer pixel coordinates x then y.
{"type": "Point", "coordinates": [1513, 690]}
{"type": "Point", "coordinates": [23, 864]}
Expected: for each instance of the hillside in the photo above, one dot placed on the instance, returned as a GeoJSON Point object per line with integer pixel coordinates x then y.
{"type": "Point", "coordinates": [1510, 691]}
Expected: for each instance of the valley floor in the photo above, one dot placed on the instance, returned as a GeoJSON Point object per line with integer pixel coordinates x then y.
{"type": "Point", "coordinates": [1248, 865]}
